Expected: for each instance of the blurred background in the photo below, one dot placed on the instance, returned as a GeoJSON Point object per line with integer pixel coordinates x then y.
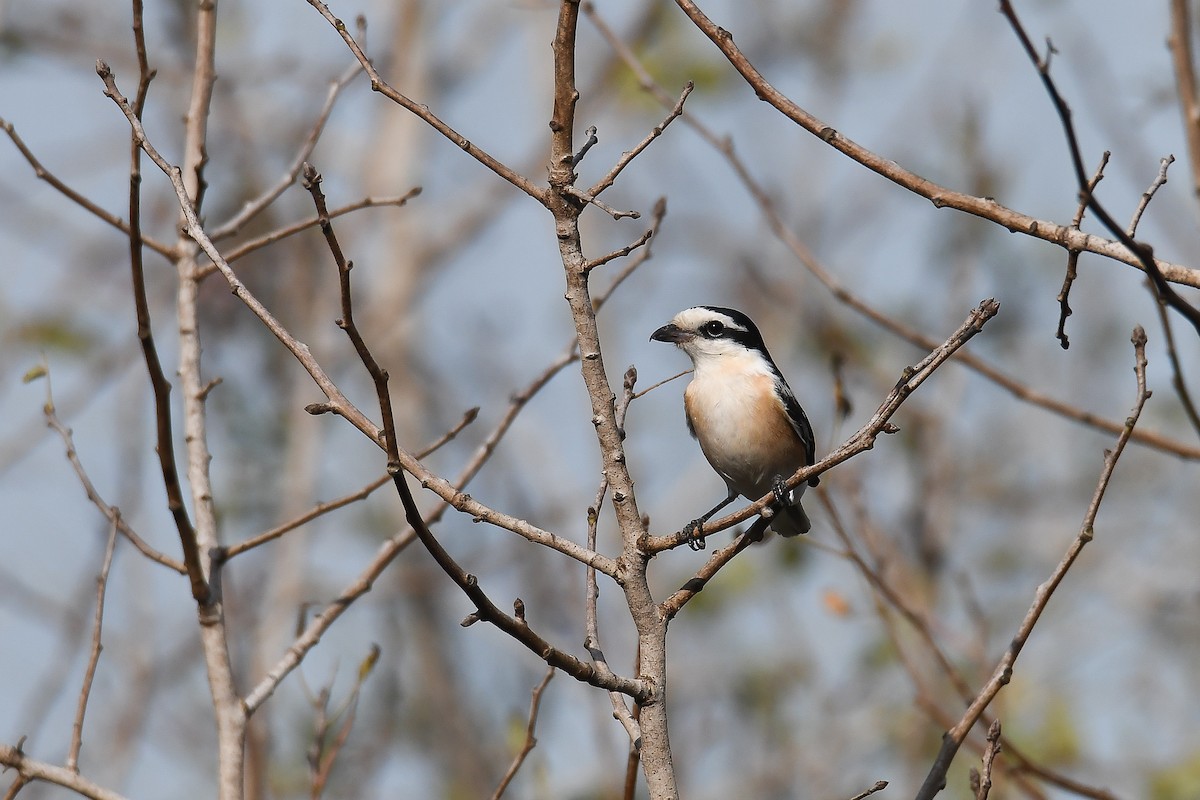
{"type": "Point", "coordinates": [788, 677]}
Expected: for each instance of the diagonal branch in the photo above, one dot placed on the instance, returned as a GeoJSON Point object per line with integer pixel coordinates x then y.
{"type": "Point", "coordinates": [535, 704]}
{"type": "Point", "coordinates": [630, 155]}
{"type": "Point", "coordinates": [935, 781]}
{"type": "Point", "coordinates": [515, 626]}
{"type": "Point", "coordinates": [378, 84]}
{"type": "Point", "coordinates": [49, 177]}
{"type": "Point", "coordinates": [942, 197]}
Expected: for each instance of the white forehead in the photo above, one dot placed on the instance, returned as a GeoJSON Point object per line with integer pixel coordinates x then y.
{"type": "Point", "coordinates": [690, 319]}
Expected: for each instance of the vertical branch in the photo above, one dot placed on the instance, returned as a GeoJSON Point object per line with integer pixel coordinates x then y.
{"type": "Point", "coordinates": [228, 709]}
{"type": "Point", "coordinates": [657, 765]}
{"type": "Point", "coordinates": [1180, 44]}
{"type": "Point", "coordinates": [535, 704]}
{"type": "Point", "coordinates": [164, 439]}
{"type": "Point", "coordinates": [89, 674]}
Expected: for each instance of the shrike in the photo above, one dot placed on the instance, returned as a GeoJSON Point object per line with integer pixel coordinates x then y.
{"type": "Point", "coordinates": [741, 410]}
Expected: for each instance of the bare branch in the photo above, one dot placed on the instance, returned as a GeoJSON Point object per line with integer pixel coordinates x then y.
{"type": "Point", "coordinates": [630, 155]}
{"type": "Point", "coordinates": [245, 248]}
{"type": "Point", "coordinates": [941, 197]}
{"type": "Point", "coordinates": [1180, 44]}
{"type": "Point", "coordinates": [1159, 181]}
{"type": "Point", "coordinates": [936, 779]}
{"type": "Point", "coordinates": [1064, 294]}
{"type": "Point", "coordinates": [1159, 281]}
{"type": "Point", "coordinates": [111, 513]}
{"type": "Point", "coordinates": [585, 197]}
{"type": "Point", "coordinates": [89, 674]}
{"type": "Point", "coordinates": [30, 770]}
{"type": "Point", "coordinates": [423, 112]}
{"type": "Point", "coordinates": [49, 177]}
{"type": "Point", "coordinates": [535, 703]}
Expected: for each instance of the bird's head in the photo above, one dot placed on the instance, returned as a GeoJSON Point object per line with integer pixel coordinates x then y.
{"type": "Point", "coordinates": [712, 333]}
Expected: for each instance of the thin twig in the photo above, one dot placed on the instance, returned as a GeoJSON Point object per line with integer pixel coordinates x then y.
{"type": "Point", "coordinates": [629, 155]}
{"type": "Point", "coordinates": [1144, 256]}
{"type": "Point", "coordinates": [49, 177]}
{"type": "Point", "coordinates": [111, 513]}
{"type": "Point", "coordinates": [981, 782]}
{"type": "Point", "coordinates": [936, 779]}
{"type": "Point", "coordinates": [324, 508]}
{"type": "Point", "coordinates": [586, 197]}
{"type": "Point", "coordinates": [1159, 181]}
{"type": "Point", "coordinates": [1064, 294]}
{"type": "Point", "coordinates": [252, 208]}
{"type": "Point", "coordinates": [89, 674]}
{"type": "Point", "coordinates": [878, 787]}
{"type": "Point", "coordinates": [535, 703]}
{"type": "Point", "coordinates": [245, 248]}
{"type": "Point", "coordinates": [378, 84]}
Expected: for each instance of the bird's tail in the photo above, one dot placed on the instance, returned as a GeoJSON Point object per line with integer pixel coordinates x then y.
{"type": "Point", "coordinates": [790, 520]}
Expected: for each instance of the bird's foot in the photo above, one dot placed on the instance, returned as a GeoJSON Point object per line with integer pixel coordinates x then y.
{"type": "Point", "coordinates": [691, 534]}
{"type": "Point", "coordinates": [780, 490]}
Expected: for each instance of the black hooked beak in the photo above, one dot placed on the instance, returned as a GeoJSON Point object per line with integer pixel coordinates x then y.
{"type": "Point", "coordinates": [669, 333]}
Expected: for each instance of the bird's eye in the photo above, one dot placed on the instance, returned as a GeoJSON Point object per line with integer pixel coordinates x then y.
{"type": "Point", "coordinates": [712, 329]}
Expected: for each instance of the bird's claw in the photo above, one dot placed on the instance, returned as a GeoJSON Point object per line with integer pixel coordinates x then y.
{"type": "Point", "coordinates": [780, 491]}
{"type": "Point", "coordinates": [691, 534]}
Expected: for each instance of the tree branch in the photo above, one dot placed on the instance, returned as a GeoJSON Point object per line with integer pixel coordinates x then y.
{"type": "Point", "coordinates": [936, 779]}
{"type": "Point", "coordinates": [423, 112]}
{"type": "Point", "coordinates": [29, 770]}
{"type": "Point", "coordinates": [535, 703]}
{"type": "Point", "coordinates": [89, 674]}
{"type": "Point", "coordinates": [1142, 252]}
{"type": "Point", "coordinates": [1180, 44]}
{"type": "Point", "coordinates": [941, 197]}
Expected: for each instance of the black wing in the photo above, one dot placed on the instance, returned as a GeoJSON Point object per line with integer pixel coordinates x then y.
{"type": "Point", "coordinates": [800, 424]}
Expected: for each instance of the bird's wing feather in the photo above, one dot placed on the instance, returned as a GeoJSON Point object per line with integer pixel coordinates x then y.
{"type": "Point", "coordinates": [799, 421]}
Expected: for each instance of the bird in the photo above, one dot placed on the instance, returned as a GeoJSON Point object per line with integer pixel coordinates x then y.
{"type": "Point", "coordinates": [740, 409]}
